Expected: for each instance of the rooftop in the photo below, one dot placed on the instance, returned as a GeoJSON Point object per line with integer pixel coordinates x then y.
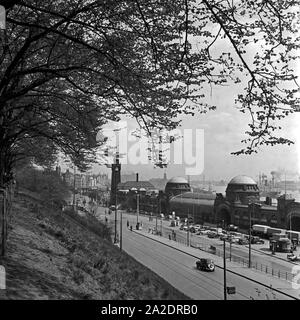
{"type": "Point", "coordinates": [178, 180]}
{"type": "Point", "coordinates": [128, 185]}
{"type": "Point", "coordinates": [242, 180]}
{"type": "Point", "coordinates": [196, 195]}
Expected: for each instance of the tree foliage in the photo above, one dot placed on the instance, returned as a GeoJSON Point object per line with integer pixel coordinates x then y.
{"type": "Point", "coordinates": [67, 67]}
{"type": "Point", "coordinates": [47, 184]}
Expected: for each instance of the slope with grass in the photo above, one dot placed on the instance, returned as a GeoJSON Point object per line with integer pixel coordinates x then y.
{"type": "Point", "coordinates": [54, 255]}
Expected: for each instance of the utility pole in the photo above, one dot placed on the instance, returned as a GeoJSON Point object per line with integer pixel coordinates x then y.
{"type": "Point", "coordinates": [116, 168]}
{"type": "Point", "coordinates": [121, 224]}
{"type": "Point", "coordinates": [224, 265]}
{"type": "Point", "coordinates": [250, 234]}
{"type": "Point", "coordinates": [157, 212]}
{"type": "Point", "coordinates": [137, 206]}
{"type": "Point", "coordinates": [188, 232]}
{"type": "Point", "coordinates": [230, 243]}
{"type": "Point", "coordinates": [115, 240]}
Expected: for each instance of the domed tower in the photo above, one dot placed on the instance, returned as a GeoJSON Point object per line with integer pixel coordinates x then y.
{"type": "Point", "coordinates": [174, 187]}
{"type": "Point", "coordinates": [242, 189]}
{"type": "Point", "coordinates": [177, 185]}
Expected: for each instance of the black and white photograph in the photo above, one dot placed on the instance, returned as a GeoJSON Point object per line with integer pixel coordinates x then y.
{"type": "Point", "coordinates": [149, 153]}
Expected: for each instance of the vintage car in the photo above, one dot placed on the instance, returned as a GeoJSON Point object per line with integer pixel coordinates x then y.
{"type": "Point", "coordinates": [205, 264]}
{"type": "Point", "coordinates": [243, 241]}
{"type": "Point", "coordinates": [292, 257]}
{"type": "Point", "coordinates": [212, 234]}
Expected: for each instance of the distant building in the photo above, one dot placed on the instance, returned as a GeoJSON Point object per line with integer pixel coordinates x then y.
{"type": "Point", "coordinates": [242, 202]}
{"type": "Point", "coordinates": [175, 186]}
{"type": "Point", "coordinates": [128, 185]}
{"type": "Point", "coordinates": [86, 182]}
{"type": "Point", "coordinates": [78, 181]}
{"type": "Point", "coordinates": [130, 192]}
{"type": "Point", "coordinates": [68, 178]}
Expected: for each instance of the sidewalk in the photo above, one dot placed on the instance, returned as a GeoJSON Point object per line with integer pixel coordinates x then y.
{"type": "Point", "coordinates": [279, 255]}
{"type": "Point", "coordinates": [264, 279]}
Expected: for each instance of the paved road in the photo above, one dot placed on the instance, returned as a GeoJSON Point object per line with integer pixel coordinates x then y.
{"type": "Point", "coordinates": [178, 268]}
{"type": "Point", "coordinates": [259, 259]}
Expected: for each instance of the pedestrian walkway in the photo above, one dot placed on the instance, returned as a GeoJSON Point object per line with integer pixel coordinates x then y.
{"type": "Point", "coordinates": [279, 255]}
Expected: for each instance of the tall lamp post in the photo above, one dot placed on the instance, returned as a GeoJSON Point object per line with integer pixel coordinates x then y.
{"type": "Point", "coordinates": [188, 231]}
{"type": "Point", "coordinates": [136, 191]}
{"type": "Point", "coordinates": [224, 264]}
{"type": "Point", "coordinates": [158, 212]}
{"type": "Point", "coordinates": [121, 224]}
{"type": "Point", "coordinates": [115, 240]}
{"type": "Point", "coordinates": [137, 207]}
{"type": "Point", "coordinates": [116, 169]}
{"type": "Point", "coordinates": [252, 204]}
{"type": "Point", "coordinates": [230, 245]}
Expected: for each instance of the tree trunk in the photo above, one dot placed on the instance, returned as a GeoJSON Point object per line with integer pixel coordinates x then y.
{"type": "Point", "coordinates": [5, 176]}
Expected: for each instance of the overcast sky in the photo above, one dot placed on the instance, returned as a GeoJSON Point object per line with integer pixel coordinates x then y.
{"type": "Point", "coordinates": [223, 131]}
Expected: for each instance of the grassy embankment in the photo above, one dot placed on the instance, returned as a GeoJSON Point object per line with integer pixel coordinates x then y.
{"type": "Point", "coordinates": [51, 256]}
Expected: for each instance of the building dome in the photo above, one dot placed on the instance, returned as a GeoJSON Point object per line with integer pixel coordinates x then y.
{"type": "Point", "coordinates": [242, 180]}
{"type": "Point", "coordinates": [242, 189]}
{"type": "Point", "coordinates": [177, 180]}
{"type": "Point", "coordinates": [177, 185]}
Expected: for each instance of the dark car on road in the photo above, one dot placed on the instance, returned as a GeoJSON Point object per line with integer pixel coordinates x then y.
{"type": "Point", "coordinates": [232, 227]}
{"type": "Point", "coordinates": [205, 264]}
{"type": "Point", "coordinates": [243, 241]}
{"type": "Point", "coordinates": [192, 229]}
{"type": "Point", "coordinates": [255, 240]}
{"type": "Point", "coordinates": [292, 257]}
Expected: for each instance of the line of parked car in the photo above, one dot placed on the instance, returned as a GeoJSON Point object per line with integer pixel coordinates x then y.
{"type": "Point", "coordinates": [233, 236]}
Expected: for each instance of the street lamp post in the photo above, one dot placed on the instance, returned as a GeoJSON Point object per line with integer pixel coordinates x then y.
{"type": "Point", "coordinates": [115, 176]}
{"type": "Point", "coordinates": [230, 243]}
{"type": "Point", "coordinates": [121, 217]}
{"type": "Point", "coordinates": [157, 212]}
{"type": "Point", "coordinates": [188, 232]}
{"type": "Point", "coordinates": [224, 265]}
{"type": "Point", "coordinates": [250, 235]}
{"type": "Point", "coordinates": [137, 207]}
